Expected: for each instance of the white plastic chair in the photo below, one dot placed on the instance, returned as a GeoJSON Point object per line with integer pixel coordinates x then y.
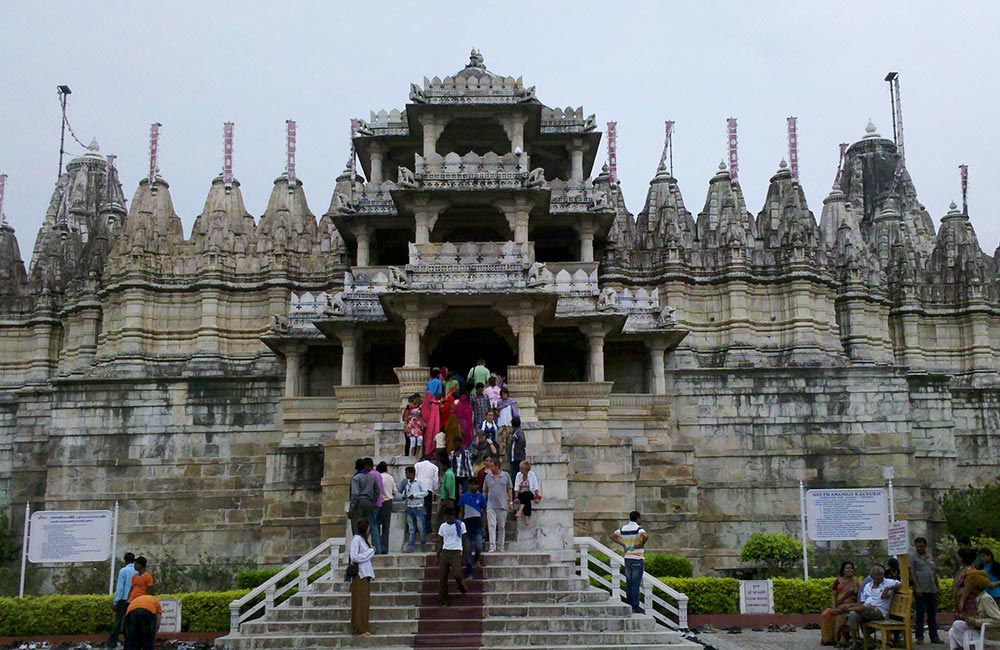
{"type": "Point", "coordinates": [982, 641]}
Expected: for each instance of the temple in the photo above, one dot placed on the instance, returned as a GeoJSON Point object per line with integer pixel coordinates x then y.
{"type": "Point", "coordinates": [694, 366]}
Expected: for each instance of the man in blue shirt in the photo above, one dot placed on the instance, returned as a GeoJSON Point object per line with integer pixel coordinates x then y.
{"type": "Point", "coordinates": [122, 587]}
{"type": "Point", "coordinates": [471, 506]}
{"type": "Point", "coordinates": [434, 385]}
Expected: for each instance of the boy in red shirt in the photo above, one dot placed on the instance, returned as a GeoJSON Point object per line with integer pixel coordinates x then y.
{"type": "Point", "coordinates": [142, 581]}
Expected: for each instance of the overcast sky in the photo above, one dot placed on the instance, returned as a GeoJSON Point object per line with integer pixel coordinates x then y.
{"type": "Point", "coordinates": [257, 64]}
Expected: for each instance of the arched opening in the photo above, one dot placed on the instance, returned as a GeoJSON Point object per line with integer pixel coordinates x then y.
{"type": "Point", "coordinates": [475, 223]}
{"type": "Point", "coordinates": [461, 335]}
{"type": "Point", "coordinates": [467, 134]}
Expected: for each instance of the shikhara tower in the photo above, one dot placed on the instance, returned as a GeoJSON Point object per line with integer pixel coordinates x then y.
{"type": "Point", "coordinates": [696, 366]}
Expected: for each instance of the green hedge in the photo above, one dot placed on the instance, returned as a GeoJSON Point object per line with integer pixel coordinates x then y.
{"type": "Point", "coordinates": [791, 596]}
{"type": "Point", "coordinates": [38, 615]}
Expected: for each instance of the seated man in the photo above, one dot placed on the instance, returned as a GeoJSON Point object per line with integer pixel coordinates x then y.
{"type": "Point", "coordinates": [873, 602]}
{"type": "Point", "coordinates": [976, 582]}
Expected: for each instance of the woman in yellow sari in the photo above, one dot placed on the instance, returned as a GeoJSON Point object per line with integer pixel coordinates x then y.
{"type": "Point", "coordinates": [833, 621]}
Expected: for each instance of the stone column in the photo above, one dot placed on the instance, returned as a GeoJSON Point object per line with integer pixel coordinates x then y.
{"type": "Point", "coordinates": [425, 215]}
{"type": "Point", "coordinates": [363, 234]}
{"type": "Point", "coordinates": [658, 383]}
{"type": "Point", "coordinates": [595, 333]}
{"type": "Point", "coordinates": [523, 324]}
{"type": "Point", "coordinates": [415, 328]}
{"type": "Point", "coordinates": [349, 339]}
{"type": "Point", "coordinates": [432, 128]}
{"type": "Point", "coordinates": [513, 126]}
{"type": "Point", "coordinates": [293, 374]}
{"type": "Point", "coordinates": [376, 164]}
{"type": "Point", "coordinates": [517, 212]}
{"type": "Point", "coordinates": [576, 151]}
{"type": "Point", "coordinates": [586, 227]}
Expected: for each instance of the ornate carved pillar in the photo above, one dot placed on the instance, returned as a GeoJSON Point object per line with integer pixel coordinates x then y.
{"type": "Point", "coordinates": [363, 234]}
{"type": "Point", "coordinates": [415, 328]}
{"type": "Point", "coordinates": [576, 151]}
{"type": "Point", "coordinates": [517, 212]}
{"type": "Point", "coordinates": [586, 227]}
{"type": "Point", "coordinates": [523, 324]}
{"type": "Point", "coordinates": [595, 333]}
{"type": "Point", "coordinates": [513, 126]}
{"type": "Point", "coordinates": [425, 215]}
{"type": "Point", "coordinates": [349, 336]}
{"type": "Point", "coordinates": [657, 373]}
{"type": "Point", "coordinates": [433, 126]}
{"type": "Point", "coordinates": [377, 155]}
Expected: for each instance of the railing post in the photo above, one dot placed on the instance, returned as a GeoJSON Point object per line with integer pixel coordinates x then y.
{"type": "Point", "coordinates": [234, 620]}
{"type": "Point", "coordinates": [268, 600]}
{"type": "Point", "coordinates": [647, 594]}
{"type": "Point", "coordinates": [682, 612]}
{"type": "Point", "coordinates": [616, 579]}
{"type": "Point", "coordinates": [304, 577]}
{"type": "Point", "coordinates": [584, 560]}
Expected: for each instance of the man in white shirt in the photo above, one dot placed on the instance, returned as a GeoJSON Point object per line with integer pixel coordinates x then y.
{"type": "Point", "coordinates": [414, 492]}
{"type": "Point", "coordinates": [451, 550]}
{"type": "Point", "coordinates": [873, 602]}
{"type": "Point", "coordinates": [427, 473]}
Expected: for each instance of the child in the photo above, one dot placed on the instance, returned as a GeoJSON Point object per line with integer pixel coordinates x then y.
{"type": "Point", "coordinates": [492, 391]}
{"type": "Point", "coordinates": [526, 488]}
{"type": "Point", "coordinates": [413, 426]}
{"type": "Point", "coordinates": [489, 428]}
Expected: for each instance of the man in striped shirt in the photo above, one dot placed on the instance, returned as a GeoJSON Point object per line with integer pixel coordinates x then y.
{"type": "Point", "coordinates": [633, 537]}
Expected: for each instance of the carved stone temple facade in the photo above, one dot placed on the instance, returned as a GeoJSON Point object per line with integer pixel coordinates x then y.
{"type": "Point", "coordinates": [695, 366]}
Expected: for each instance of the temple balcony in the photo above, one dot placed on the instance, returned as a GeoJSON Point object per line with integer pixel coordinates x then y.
{"type": "Point", "coordinates": [472, 172]}
{"type": "Point", "coordinates": [568, 120]}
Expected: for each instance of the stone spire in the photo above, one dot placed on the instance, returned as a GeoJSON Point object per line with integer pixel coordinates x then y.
{"type": "Point", "coordinates": [224, 225]}
{"type": "Point", "coordinates": [724, 225]}
{"type": "Point", "coordinates": [622, 236]}
{"type": "Point", "coordinates": [13, 279]}
{"type": "Point", "coordinates": [287, 227]}
{"type": "Point", "coordinates": [664, 221]}
{"type": "Point", "coordinates": [786, 228]}
{"type": "Point", "coordinates": [80, 225]}
{"type": "Point", "coordinates": [152, 227]}
{"type": "Point", "coordinates": [957, 267]}
{"type": "Point", "coordinates": [873, 174]}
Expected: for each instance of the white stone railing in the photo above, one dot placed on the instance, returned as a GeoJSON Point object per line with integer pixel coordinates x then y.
{"type": "Point", "coordinates": [657, 598]}
{"type": "Point", "coordinates": [319, 564]}
{"type": "Point", "coordinates": [569, 198]}
{"type": "Point", "coordinates": [384, 122]}
{"type": "Point", "coordinates": [470, 164]}
{"type": "Point", "coordinates": [471, 253]}
{"type": "Point", "coordinates": [568, 277]}
{"type": "Point", "coordinates": [569, 119]}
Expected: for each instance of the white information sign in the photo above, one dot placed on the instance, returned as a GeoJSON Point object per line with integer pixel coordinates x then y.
{"type": "Point", "coordinates": [847, 514]}
{"type": "Point", "coordinates": [170, 621]}
{"type": "Point", "coordinates": [756, 597]}
{"type": "Point", "coordinates": [899, 538]}
{"type": "Point", "coordinates": [70, 536]}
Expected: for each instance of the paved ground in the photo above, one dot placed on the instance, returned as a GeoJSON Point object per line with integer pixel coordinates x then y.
{"type": "Point", "coordinates": [799, 640]}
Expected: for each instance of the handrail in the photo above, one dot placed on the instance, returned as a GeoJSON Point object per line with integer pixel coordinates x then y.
{"type": "Point", "coordinates": [272, 592]}
{"type": "Point", "coordinates": [663, 611]}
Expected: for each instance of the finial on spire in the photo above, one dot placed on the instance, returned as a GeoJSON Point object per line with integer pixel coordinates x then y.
{"type": "Point", "coordinates": [475, 59]}
{"type": "Point", "coordinates": [870, 131]}
{"type": "Point", "coordinates": [722, 165]}
{"type": "Point", "coordinates": [154, 152]}
{"type": "Point", "coordinates": [783, 165]}
{"type": "Point", "coordinates": [953, 207]}
{"type": "Point", "coordinates": [227, 154]}
{"type": "Point", "coordinates": [734, 157]}
{"type": "Point", "coordinates": [93, 147]}
{"type": "Point", "coordinates": [290, 153]}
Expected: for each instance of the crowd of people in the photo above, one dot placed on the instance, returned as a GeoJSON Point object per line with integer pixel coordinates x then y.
{"type": "Point", "coordinates": [137, 611]}
{"type": "Point", "coordinates": [976, 591]}
{"type": "Point", "coordinates": [473, 466]}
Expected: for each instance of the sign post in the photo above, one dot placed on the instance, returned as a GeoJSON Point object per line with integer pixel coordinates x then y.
{"type": "Point", "coordinates": [114, 551]}
{"type": "Point", "coordinates": [802, 511]}
{"type": "Point", "coordinates": [24, 547]}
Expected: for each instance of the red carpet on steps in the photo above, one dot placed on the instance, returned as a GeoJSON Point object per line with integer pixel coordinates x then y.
{"type": "Point", "coordinates": [455, 627]}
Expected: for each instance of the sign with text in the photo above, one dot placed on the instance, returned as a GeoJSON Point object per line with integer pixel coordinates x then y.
{"type": "Point", "coordinates": [756, 597]}
{"type": "Point", "coordinates": [847, 514]}
{"type": "Point", "coordinates": [899, 538]}
{"type": "Point", "coordinates": [170, 621]}
{"type": "Point", "coordinates": [70, 536]}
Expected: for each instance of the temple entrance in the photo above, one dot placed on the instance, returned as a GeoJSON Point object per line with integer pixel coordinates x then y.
{"type": "Point", "coordinates": [460, 348]}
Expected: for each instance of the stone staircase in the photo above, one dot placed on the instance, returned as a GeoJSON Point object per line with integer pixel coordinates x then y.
{"type": "Point", "coordinates": [518, 600]}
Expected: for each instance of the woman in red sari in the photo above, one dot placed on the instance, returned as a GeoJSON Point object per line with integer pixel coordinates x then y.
{"type": "Point", "coordinates": [431, 414]}
{"type": "Point", "coordinates": [833, 621]}
{"type": "Point", "coordinates": [464, 412]}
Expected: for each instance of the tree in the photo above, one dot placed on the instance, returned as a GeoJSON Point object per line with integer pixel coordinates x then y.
{"type": "Point", "coordinates": [973, 511]}
{"type": "Point", "coordinates": [777, 551]}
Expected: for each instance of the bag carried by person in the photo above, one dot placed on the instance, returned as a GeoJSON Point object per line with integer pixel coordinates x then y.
{"type": "Point", "coordinates": [351, 572]}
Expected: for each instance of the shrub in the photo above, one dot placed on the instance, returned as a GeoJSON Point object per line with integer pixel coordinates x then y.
{"type": "Point", "coordinates": [794, 596]}
{"type": "Point", "coordinates": [34, 616]}
{"type": "Point", "coordinates": [779, 552]}
{"type": "Point", "coordinates": [665, 565]}
{"type": "Point", "coordinates": [973, 511]}
{"type": "Point", "coordinates": [709, 595]}
{"type": "Point", "coordinates": [252, 578]}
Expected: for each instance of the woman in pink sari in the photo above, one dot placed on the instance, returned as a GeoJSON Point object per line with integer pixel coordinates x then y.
{"type": "Point", "coordinates": [431, 414]}
{"type": "Point", "coordinates": [464, 412]}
